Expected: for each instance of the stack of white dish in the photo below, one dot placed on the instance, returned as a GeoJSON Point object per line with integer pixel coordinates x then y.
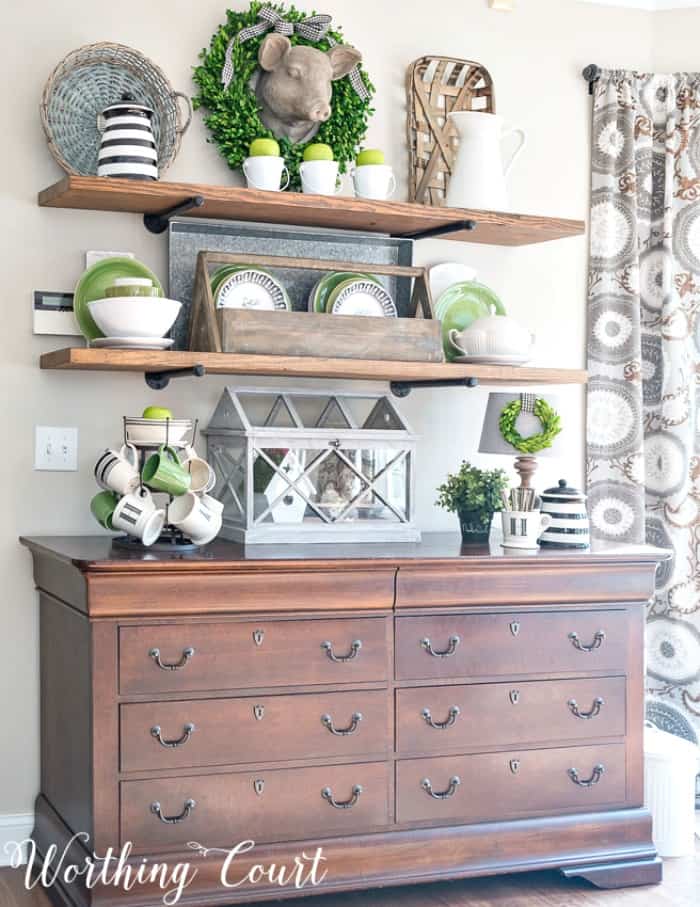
{"type": "Point", "coordinates": [134, 315]}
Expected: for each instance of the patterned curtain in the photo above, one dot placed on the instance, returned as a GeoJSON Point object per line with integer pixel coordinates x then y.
{"type": "Point", "coordinates": [643, 465]}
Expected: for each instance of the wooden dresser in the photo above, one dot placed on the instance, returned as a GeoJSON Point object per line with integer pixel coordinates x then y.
{"type": "Point", "coordinates": [420, 712]}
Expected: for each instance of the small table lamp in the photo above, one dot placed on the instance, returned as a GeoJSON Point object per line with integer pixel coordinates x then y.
{"type": "Point", "coordinates": [493, 442]}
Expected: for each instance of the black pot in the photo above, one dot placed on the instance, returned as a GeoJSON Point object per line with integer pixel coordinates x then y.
{"type": "Point", "coordinates": [475, 525]}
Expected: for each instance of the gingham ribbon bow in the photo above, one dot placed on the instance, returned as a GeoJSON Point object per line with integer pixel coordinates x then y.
{"type": "Point", "coordinates": [312, 29]}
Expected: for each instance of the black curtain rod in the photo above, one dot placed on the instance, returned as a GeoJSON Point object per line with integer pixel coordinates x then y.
{"type": "Point", "coordinates": [591, 74]}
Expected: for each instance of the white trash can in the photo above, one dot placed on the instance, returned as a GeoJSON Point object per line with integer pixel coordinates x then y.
{"type": "Point", "coordinates": [670, 767]}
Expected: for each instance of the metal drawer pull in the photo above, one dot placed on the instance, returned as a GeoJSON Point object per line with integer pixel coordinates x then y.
{"type": "Point", "coordinates": [452, 716]}
{"type": "Point", "coordinates": [327, 795]}
{"type": "Point", "coordinates": [597, 640]}
{"type": "Point", "coordinates": [441, 794]}
{"type": "Point", "coordinates": [450, 650]}
{"type": "Point", "coordinates": [587, 782]}
{"type": "Point", "coordinates": [594, 710]}
{"type": "Point", "coordinates": [355, 647]}
{"type": "Point", "coordinates": [173, 820]}
{"type": "Point", "coordinates": [186, 655]}
{"type": "Point", "coordinates": [327, 722]}
{"type": "Point", "coordinates": [187, 732]}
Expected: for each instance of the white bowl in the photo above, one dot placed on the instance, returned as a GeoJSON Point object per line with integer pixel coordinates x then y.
{"type": "Point", "coordinates": [134, 316]}
{"type": "Point", "coordinates": [152, 432]}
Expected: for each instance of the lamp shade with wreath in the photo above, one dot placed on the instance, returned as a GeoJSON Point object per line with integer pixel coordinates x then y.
{"type": "Point", "coordinates": [522, 425]}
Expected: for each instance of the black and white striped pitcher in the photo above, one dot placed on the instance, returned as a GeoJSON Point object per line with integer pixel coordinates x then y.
{"type": "Point", "coordinates": [128, 146]}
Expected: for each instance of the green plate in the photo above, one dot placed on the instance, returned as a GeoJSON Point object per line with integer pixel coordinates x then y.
{"type": "Point", "coordinates": [94, 282]}
{"type": "Point", "coordinates": [221, 274]}
{"type": "Point", "coordinates": [327, 284]}
{"type": "Point", "coordinates": [461, 304]}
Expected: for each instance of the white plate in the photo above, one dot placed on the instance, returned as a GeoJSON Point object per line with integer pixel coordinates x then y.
{"type": "Point", "coordinates": [132, 343]}
{"type": "Point", "coordinates": [362, 297]}
{"type": "Point", "coordinates": [443, 276]}
{"type": "Point", "coordinates": [252, 289]}
{"type": "Point", "coordinates": [493, 360]}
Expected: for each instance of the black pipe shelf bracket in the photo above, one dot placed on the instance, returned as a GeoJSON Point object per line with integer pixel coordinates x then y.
{"type": "Point", "coordinates": [444, 230]}
{"type": "Point", "coordinates": [592, 74]}
{"type": "Point", "coordinates": [158, 381]}
{"type": "Point", "coordinates": [404, 388]}
{"type": "Point", "coordinates": [158, 223]}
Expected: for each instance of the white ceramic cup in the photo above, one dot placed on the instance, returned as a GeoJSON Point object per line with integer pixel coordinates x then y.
{"type": "Point", "coordinates": [376, 181]}
{"type": "Point", "coordinates": [265, 172]}
{"type": "Point", "coordinates": [118, 470]}
{"type": "Point", "coordinates": [198, 517]}
{"type": "Point", "coordinates": [137, 515]}
{"type": "Point", "coordinates": [203, 476]}
{"type": "Point", "coordinates": [522, 528]}
{"type": "Point", "coordinates": [320, 177]}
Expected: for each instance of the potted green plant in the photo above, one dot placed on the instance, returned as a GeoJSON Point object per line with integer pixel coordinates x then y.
{"type": "Point", "coordinates": [474, 495]}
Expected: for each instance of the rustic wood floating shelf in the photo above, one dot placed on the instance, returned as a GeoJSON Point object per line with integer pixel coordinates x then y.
{"type": "Point", "coordinates": [404, 374]}
{"type": "Point", "coordinates": [158, 201]}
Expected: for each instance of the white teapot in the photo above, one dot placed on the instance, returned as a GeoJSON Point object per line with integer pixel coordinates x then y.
{"type": "Point", "coordinates": [493, 335]}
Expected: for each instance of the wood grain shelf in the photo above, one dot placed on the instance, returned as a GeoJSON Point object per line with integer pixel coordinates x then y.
{"type": "Point", "coordinates": [302, 367]}
{"type": "Point", "coordinates": [337, 212]}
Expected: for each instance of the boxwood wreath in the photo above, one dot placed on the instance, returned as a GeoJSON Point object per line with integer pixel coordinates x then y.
{"type": "Point", "coordinates": [548, 416]}
{"type": "Point", "coordinates": [233, 117]}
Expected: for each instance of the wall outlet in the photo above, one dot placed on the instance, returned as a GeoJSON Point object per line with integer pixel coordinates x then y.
{"type": "Point", "coordinates": [56, 448]}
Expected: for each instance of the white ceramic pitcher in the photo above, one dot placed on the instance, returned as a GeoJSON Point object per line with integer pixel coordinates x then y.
{"type": "Point", "coordinates": [478, 177]}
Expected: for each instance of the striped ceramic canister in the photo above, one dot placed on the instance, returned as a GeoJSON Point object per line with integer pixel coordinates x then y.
{"type": "Point", "coordinates": [128, 146]}
{"type": "Point", "coordinates": [570, 527]}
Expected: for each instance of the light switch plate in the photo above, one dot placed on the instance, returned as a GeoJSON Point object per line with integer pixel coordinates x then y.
{"type": "Point", "coordinates": [56, 448]}
{"type": "Point", "coordinates": [92, 256]}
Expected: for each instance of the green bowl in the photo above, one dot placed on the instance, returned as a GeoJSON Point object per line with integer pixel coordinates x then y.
{"type": "Point", "coordinates": [116, 292]}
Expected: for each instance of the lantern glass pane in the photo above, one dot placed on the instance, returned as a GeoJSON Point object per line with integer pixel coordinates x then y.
{"type": "Point", "coordinates": [229, 463]}
{"type": "Point", "coordinates": [347, 484]}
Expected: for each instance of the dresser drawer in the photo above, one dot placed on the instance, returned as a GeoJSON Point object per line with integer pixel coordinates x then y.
{"type": "Point", "coordinates": [159, 735]}
{"type": "Point", "coordinates": [439, 719]}
{"type": "Point", "coordinates": [488, 645]}
{"type": "Point", "coordinates": [280, 805]}
{"type": "Point", "coordinates": [217, 656]}
{"type": "Point", "coordinates": [509, 785]}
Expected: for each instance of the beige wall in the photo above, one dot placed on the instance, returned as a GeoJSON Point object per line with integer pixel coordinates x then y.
{"type": "Point", "coordinates": [535, 56]}
{"type": "Point", "coordinates": [675, 41]}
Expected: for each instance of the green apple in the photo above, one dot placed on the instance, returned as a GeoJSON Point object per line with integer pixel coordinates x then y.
{"type": "Point", "coordinates": [369, 156]}
{"type": "Point", "coordinates": [157, 412]}
{"type": "Point", "coordinates": [264, 148]}
{"type": "Point", "coordinates": [318, 152]}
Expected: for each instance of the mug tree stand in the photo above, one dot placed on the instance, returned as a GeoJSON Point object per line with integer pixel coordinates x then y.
{"type": "Point", "coordinates": [171, 540]}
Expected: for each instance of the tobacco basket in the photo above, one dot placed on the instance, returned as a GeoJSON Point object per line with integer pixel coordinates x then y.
{"type": "Point", "coordinates": [436, 86]}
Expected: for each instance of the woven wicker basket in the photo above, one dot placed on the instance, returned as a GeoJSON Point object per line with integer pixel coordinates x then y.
{"type": "Point", "coordinates": [437, 86]}
{"type": "Point", "coordinates": [90, 79]}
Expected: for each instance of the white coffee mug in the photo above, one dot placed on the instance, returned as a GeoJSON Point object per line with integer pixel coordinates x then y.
{"type": "Point", "coordinates": [198, 517]}
{"type": "Point", "coordinates": [203, 476]}
{"type": "Point", "coordinates": [376, 181]}
{"type": "Point", "coordinates": [320, 177]}
{"type": "Point", "coordinates": [522, 528]}
{"type": "Point", "coordinates": [137, 515]}
{"type": "Point", "coordinates": [265, 172]}
{"type": "Point", "coordinates": [118, 470]}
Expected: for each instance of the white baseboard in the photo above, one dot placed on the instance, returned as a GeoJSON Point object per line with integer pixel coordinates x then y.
{"type": "Point", "coordinates": [14, 827]}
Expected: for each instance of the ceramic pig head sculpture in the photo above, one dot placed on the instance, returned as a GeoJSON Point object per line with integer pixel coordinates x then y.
{"type": "Point", "coordinates": [294, 86]}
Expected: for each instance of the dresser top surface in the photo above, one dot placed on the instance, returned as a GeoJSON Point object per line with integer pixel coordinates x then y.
{"type": "Point", "coordinates": [96, 553]}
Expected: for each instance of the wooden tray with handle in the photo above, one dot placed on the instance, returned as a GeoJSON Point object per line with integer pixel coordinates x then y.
{"type": "Point", "coordinates": [417, 338]}
{"type": "Point", "coordinates": [436, 87]}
